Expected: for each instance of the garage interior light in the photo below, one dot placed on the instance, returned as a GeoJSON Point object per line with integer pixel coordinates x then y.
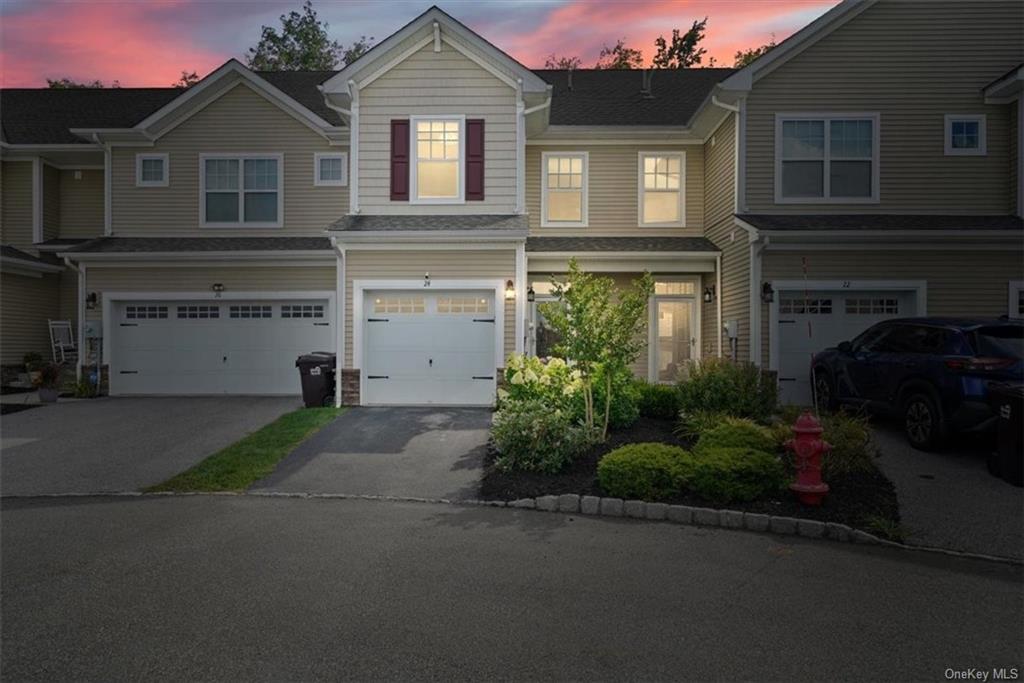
{"type": "Point", "coordinates": [510, 290]}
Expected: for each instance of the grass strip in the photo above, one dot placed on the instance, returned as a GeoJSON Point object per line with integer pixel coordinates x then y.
{"type": "Point", "coordinates": [248, 460]}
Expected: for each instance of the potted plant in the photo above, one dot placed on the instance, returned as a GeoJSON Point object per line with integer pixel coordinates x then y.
{"type": "Point", "coordinates": [33, 361]}
{"type": "Point", "coordinates": [49, 382]}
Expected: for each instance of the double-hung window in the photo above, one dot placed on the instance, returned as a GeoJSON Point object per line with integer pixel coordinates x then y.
{"type": "Point", "coordinates": [826, 158]}
{"type": "Point", "coordinates": [438, 152]}
{"type": "Point", "coordinates": [241, 190]}
{"type": "Point", "coordinates": [965, 135]}
{"type": "Point", "coordinates": [661, 188]}
{"type": "Point", "coordinates": [564, 189]}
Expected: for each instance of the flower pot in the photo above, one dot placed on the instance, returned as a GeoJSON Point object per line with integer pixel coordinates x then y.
{"type": "Point", "coordinates": [48, 395]}
{"type": "Point", "coordinates": [34, 376]}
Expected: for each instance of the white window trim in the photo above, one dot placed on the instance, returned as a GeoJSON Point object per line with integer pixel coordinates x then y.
{"type": "Point", "coordinates": [584, 214]}
{"type": "Point", "coordinates": [652, 323]}
{"type": "Point", "coordinates": [980, 151]}
{"type": "Point", "coordinates": [414, 158]}
{"type": "Point", "coordinates": [319, 182]}
{"type": "Point", "coordinates": [241, 156]}
{"type": "Point", "coordinates": [139, 182]}
{"type": "Point", "coordinates": [641, 190]}
{"type": "Point", "coordinates": [874, 117]}
{"type": "Point", "coordinates": [1015, 288]}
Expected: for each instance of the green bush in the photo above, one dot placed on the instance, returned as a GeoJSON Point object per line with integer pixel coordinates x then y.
{"type": "Point", "coordinates": [723, 475]}
{"type": "Point", "coordinates": [738, 433]}
{"type": "Point", "coordinates": [528, 378]}
{"type": "Point", "coordinates": [625, 407]}
{"type": "Point", "coordinates": [660, 401]}
{"type": "Point", "coordinates": [738, 389]}
{"type": "Point", "coordinates": [648, 471]}
{"type": "Point", "coordinates": [531, 436]}
{"type": "Point", "coordinates": [692, 425]}
{"type": "Point", "coordinates": [850, 435]}
{"type": "Point", "coordinates": [32, 360]}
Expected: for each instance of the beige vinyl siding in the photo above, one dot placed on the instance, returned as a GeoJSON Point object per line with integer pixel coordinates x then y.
{"type": "Point", "coordinates": [719, 199]}
{"type": "Point", "coordinates": [81, 203]}
{"type": "Point", "coordinates": [241, 121]}
{"type": "Point", "coordinates": [960, 283]}
{"type": "Point", "coordinates": [497, 264]}
{"type": "Point", "coordinates": [51, 202]}
{"type": "Point", "coordinates": [613, 189]}
{"type": "Point", "coordinates": [16, 203]}
{"type": "Point", "coordinates": [26, 303]}
{"type": "Point", "coordinates": [437, 83]}
{"type": "Point", "coordinates": [912, 62]}
{"type": "Point", "coordinates": [67, 298]}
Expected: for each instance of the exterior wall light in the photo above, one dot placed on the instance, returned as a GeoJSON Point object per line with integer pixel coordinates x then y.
{"type": "Point", "coordinates": [217, 288]}
{"type": "Point", "coordinates": [91, 300]}
{"type": "Point", "coordinates": [531, 295]}
{"type": "Point", "coordinates": [709, 294]}
{"type": "Point", "coordinates": [767, 293]}
{"type": "Point", "coordinates": [510, 290]}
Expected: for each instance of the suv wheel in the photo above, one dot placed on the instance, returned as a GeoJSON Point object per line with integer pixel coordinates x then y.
{"type": "Point", "coordinates": [824, 390]}
{"type": "Point", "coordinates": [922, 422]}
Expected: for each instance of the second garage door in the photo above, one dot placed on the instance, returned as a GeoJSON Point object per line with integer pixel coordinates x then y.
{"type": "Point", "coordinates": [436, 348]}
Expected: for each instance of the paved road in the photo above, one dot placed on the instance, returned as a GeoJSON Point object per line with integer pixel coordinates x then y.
{"type": "Point", "coordinates": [948, 499]}
{"type": "Point", "coordinates": [203, 588]}
{"type": "Point", "coordinates": [412, 452]}
{"type": "Point", "coordinates": [119, 444]}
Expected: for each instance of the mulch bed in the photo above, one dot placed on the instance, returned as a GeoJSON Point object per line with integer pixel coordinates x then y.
{"type": "Point", "coordinates": [857, 500]}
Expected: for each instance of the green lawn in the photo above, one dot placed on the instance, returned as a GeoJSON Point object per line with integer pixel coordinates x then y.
{"type": "Point", "coordinates": [244, 462]}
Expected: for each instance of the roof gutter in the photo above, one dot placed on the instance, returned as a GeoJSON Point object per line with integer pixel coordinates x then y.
{"type": "Point", "coordinates": [543, 105]}
{"type": "Point", "coordinates": [729, 107]}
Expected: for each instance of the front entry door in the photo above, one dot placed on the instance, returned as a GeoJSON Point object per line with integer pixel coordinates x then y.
{"type": "Point", "coordinates": [673, 337]}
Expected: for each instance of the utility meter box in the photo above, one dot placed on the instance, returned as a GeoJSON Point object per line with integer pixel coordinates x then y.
{"type": "Point", "coordinates": [732, 329]}
{"type": "Point", "coordinates": [92, 329]}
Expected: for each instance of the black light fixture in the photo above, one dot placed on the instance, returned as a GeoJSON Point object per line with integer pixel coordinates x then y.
{"type": "Point", "coordinates": [217, 288]}
{"type": "Point", "coordinates": [426, 279]}
{"type": "Point", "coordinates": [767, 293]}
{"type": "Point", "coordinates": [709, 294]}
{"type": "Point", "coordinates": [91, 300]}
{"type": "Point", "coordinates": [530, 294]}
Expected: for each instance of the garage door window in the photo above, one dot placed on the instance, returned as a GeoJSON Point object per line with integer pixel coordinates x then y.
{"type": "Point", "coordinates": [198, 312]}
{"type": "Point", "coordinates": [145, 312]}
{"type": "Point", "coordinates": [463, 304]}
{"type": "Point", "coordinates": [872, 306]}
{"type": "Point", "coordinates": [302, 311]}
{"type": "Point", "coordinates": [398, 304]}
{"type": "Point", "coordinates": [801, 306]}
{"type": "Point", "coordinates": [248, 312]}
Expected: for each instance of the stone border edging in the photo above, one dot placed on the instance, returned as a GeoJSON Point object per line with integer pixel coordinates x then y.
{"type": "Point", "coordinates": [594, 506]}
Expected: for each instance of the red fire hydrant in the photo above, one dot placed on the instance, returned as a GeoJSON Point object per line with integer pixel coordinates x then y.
{"type": "Point", "coordinates": [808, 447]}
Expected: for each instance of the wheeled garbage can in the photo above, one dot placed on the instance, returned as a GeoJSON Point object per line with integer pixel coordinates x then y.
{"type": "Point", "coordinates": [317, 372]}
{"type": "Point", "coordinates": [1007, 401]}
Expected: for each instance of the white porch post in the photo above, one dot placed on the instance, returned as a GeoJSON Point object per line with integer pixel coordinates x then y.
{"type": "Point", "coordinates": [339, 326]}
{"type": "Point", "coordinates": [520, 299]}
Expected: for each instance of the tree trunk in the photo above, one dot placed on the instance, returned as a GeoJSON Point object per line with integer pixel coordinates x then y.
{"type": "Point", "coordinates": [607, 404]}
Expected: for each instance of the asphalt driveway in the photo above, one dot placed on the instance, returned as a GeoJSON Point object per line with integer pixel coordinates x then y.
{"type": "Point", "coordinates": [417, 452]}
{"type": "Point", "coordinates": [122, 444]}
{"type": "Point", "coordinates": [948, 499]}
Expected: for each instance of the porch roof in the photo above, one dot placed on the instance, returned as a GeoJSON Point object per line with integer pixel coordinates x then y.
{"type": "Point", "coordinates": [620, 244]}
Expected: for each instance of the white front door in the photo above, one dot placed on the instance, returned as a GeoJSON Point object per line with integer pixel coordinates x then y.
{"type": "Point", "coordinates": [429, 348]}
{"type": "Point", "coordinates": [810, 322]}
{"type": "Point", "coordinates": [214, 346]}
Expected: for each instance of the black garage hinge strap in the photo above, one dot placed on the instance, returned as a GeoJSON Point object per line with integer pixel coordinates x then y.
{"type": "Point", "coordinates": [483, 320]}
{"type": "Point", "coordinates": [376, 320]}
{"type": "Point", "coordinates": [129, 324]}
{"type": "Point", "coordinates": [128, 372]}
{"type": "Point", "coordinates": [483, 376]}
{"type": "Point", "coordinates": [377, 377]}
{"type": "Point", "coordinates": [781, 322]}
{"type": "Point", "coordinates": [787, 379]}
{"type": "Point", "coordinates": [321, 324]}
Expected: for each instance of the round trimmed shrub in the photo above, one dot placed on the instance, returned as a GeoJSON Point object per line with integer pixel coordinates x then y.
{"type": "Point", "coordinates": [648, 471]}
{"type": "Point", "coordinates": [737, 433]}
{"type": "Point", "coordinates": [726, 474]}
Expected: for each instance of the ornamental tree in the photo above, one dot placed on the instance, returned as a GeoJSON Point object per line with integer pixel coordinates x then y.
{"type": "Point", "coordinates": [601, 327]}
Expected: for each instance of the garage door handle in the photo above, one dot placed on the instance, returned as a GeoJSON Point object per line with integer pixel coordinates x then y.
{"type": "Point", "coordinates": [377, 377]}
{"type": "Point", "coordinates": [483, 320]}
{"type": "Point", "coordinates": [483, 376]}
{"type": "Point", "coordinates": [376, 320]}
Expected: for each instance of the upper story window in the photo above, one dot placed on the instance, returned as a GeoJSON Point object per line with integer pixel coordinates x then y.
{"type": "Point", "coordinates": [151, 170]}
{"type": "Point", "coordinates": [564, 189]}
{"type": "Point", "coordinates": [330, 170]}
{"type": "Point", "coordinates": [661, 188]}
{"type": "Point", "coordinates": [438, 152]}
{"type": "Point", "coordinates": [826, 158]}
{"type": "Point", "coordinates": [241, 190]}
{"type": "Point", "coordinates": [965, 135]}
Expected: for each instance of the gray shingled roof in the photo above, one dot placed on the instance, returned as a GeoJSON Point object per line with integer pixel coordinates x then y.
{"type": "Point", "coordinates": [362, 223]}
{"type": "Point", "coordinates": [8, 251]}
{"type": "Point", "coordinates": [640, 243]}
{"type": "Point", "coordinates": [126, 245]}
{"type": "Point", "coordinates": [608, 97]}
{"type": "Point", "coordinates": [771, 222]}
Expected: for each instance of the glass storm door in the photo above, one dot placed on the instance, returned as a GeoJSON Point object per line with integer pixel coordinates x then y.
{"type": "Point", "coordinates": [673, 337]}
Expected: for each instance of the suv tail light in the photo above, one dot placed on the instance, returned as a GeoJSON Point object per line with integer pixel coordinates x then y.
{"type": "Point", "coordinates": [979, 364]}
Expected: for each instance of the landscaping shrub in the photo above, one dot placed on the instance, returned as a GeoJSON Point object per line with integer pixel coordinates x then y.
{"type": "Point", "coordinates": [723, 475]}
{"type": "Point", "coordinates": [692, 425]}
{"type": "Point", "coordinates": [550, 380]}
{"type": "Point", "coordinates": [625, 407]}
{"type": "Point", "coordinates": [648, 471]}
{"type": "Point", "coordinates": [850, 435]}
{"type": "Point", "coordinates": [660, 401]}
{"type": "Point", "coordinates": [738, 433]}
{"type": "Point", "coordinates": [738, 389]}
{"type": "Point", "coordinates": [531, 436]}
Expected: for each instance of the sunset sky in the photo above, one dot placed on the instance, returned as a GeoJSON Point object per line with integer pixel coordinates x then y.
{"type": "Point", "coordinates": [149, 42]}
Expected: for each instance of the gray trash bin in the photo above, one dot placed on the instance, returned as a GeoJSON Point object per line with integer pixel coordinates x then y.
{"type": "Point", "coordinates": [316, 371]}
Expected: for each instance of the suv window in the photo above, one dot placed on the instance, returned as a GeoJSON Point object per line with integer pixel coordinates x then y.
{"type": "Point", "coordinates": [914, 339]}
{"type": "Point", "coordinates": [999, 342]}
{"type": "Point", "coordinates": [869, 339]}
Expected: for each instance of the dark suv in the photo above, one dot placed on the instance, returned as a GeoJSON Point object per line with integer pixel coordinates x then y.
{"type": "Point", "coordinates": [932, 372]}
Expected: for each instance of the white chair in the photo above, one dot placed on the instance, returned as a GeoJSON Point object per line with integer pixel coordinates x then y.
{"type": "Point", "coordinates": [62, 341]}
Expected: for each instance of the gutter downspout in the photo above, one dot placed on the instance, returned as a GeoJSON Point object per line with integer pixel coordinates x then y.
{"type": "Point", "coordinates": [339, 297]}
{"type": "Point", "coordinates": [543, 105]}
{"type": "Point", "coordinates": [81, 322]}
{"type": "Point", "coordinates": [353, 124]}
{"type": "Point", "coordinates": [718, 301]}
{"type": "Point", "coordinates": [520, 148]}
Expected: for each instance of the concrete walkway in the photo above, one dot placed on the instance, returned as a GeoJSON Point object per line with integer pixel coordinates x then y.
{"type": "Point", "coordinates": [416, 452]}
{"type": "Point", "coordinates": [121, 444]}
{"type": "Point", "coordinates": [948, 499]}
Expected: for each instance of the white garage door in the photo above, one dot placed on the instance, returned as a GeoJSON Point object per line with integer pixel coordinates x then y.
{"type": "Point", "coordinates": [436, 348]}
{"type": "Point", "coordinates": [215, 347]}
{"type": "Point", "coordinates": [813, 321]}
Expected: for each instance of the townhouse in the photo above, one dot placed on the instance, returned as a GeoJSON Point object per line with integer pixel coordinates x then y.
{"type": "Point", "coordinates": [409, 211]}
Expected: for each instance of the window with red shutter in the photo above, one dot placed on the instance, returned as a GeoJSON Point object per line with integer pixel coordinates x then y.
{"type": "Point", "coordinates": [400, 160]}
{"type": "Point", "coordinates": [474, 159]}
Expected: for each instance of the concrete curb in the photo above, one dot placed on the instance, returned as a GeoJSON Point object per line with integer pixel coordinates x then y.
{"type": "Point", "coordinates": [591, 506]}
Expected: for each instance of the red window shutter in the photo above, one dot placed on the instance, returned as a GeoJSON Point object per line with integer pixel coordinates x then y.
{"type": "Point", "coordinates": [474, 159]}
{"type": "Point", "coordinates": [400, 160]}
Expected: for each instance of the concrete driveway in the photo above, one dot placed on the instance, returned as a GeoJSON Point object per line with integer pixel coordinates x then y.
{"type": "Point", "coordinates": [122, 444]}
{"type": "Point", "coordinates": [418, 452]}
{"type": "Point", "coordinates": [948, 499]}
